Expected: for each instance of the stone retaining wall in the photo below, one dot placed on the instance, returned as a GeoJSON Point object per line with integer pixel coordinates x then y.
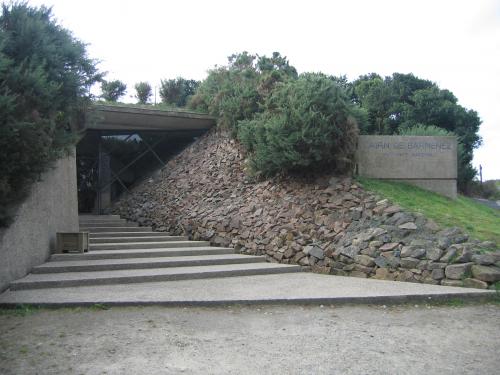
{"type": "Point", "coordinates": [326, 224]}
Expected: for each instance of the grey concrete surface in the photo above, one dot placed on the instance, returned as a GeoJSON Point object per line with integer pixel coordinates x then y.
{"type": "Point", "coordinates": [118, 239]}
{"type": "Point", "coordinates": [376, 340]}
{"type": "Point", "coordinates": [115, 117]}
{"type": "Point", "coordinates": [77, 279]}
{"type": "Point", "coordinates": [284, 288]}
{"type": "Point", "coordinates": [428, 162]}
{"type": "Point", "coordinates": [144, 253]}
{"type": "Point", "coordinates": [146, 245]}
{"type": "Point", "coordinates": [125, 234]}
{"type": "Point", "coordinates": [51, 207]}
{"type": "Point", "coordinates": [116, 229]}
{"type": "Point", "coordinates": [138, 263]}
{"type": "Point", "coordinates": [488, 202]}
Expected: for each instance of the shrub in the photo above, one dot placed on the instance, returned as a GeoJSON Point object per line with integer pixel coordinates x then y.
{"type": "Point", "coordinates": [143, 92]}
{"type": "Point", "coordinates": [176, 92]}
{"type": "Point", "coordinates": [305, 124]}
{"type": "Point", "coordinates": [45, 76]}
{"type": "Point", "coordinates": [113, 90]}
{"type": "Point", "coordinates": [236, 92]}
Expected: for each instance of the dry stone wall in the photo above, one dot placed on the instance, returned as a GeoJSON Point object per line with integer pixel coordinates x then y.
{"type": "Point", "coordinates": [327, 224]}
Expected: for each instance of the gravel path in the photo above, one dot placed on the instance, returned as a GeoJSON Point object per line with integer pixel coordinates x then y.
{"type": "Point", "coordinates": [253, 340]}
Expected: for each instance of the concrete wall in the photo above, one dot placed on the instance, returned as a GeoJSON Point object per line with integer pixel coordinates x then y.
{"type": "Point", "coordinates": [428, 162]}
{"type": "Point", "coordinates": [51, 207]}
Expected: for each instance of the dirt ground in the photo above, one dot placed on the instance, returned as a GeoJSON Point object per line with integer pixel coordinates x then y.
{"type": "Point", "coordinates": [253, 340]}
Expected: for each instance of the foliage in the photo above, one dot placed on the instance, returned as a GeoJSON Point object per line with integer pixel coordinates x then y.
{"type": "Point", "coordinates": [478, 220]}
{"type": "Point", "coordinates": [143, 92]}
{"type": "Point", "coordinates": [45, 76]}
{"type": "Point", "coordinates": [237, 91]}
{"type": "Point", "coordinates": [113, 90]}
{"type": "Point", "coordinates": [487, 190]}
{"type": "Point", "coordinates": [404, 101]}
{"type": "Point", "coordinates": [306, 123]}
{"type": "Point", "coordinates": [176, 92]}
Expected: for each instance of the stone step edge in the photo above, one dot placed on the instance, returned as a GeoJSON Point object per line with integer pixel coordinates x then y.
{"type": "Point", "coordinates": [163, 262]}
{"type": "Point", "coordinates": [107, 240]}
{"type": "Point", "coordinates": [148, 245]}
{"type": "Point", "coordinates": [143, 253]}
{"type": "Point", "coordinates": [200, 274]}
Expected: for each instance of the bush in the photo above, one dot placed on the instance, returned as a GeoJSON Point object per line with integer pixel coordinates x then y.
{"type": "Point", "coordinates": [305, 124]}
{"type": "Point", "coordinates": [236, 92]}
{"type": "Point", "coordinates": [45, 76]}
{"type": "Point", "coordinates": [113, 90]}
{"type": "Point", "coordinates": [176, 92]}
{"type": "Point", "coordinates": [143, 92]}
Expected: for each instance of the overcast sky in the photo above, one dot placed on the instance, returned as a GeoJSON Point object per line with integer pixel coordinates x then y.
{"type": "Point", "coordinates": [455, 43]}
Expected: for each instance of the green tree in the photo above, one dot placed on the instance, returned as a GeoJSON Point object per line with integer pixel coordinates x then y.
{"type": "Point", "coordinates": [143, 92]}
{"type": "Point", "coordinates": [404, 101]}
{"type": "Point", "coordinates": [176, 92]}
{"type": "Point", "coordinates": [45, 77]}
{"type": "Point", "coordinates": [113, 90]}
{"type": "Point", "coordinates": [237, 91]}
{"type": "Point", "coordinates": [305, 124]}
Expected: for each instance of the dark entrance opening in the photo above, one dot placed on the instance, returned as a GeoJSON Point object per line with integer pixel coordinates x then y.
{"type": "Point", "coordinates": [110, 163]}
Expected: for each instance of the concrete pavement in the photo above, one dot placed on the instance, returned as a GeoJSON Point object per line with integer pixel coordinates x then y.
{"type": "Point", "coordinates": [294, 288]}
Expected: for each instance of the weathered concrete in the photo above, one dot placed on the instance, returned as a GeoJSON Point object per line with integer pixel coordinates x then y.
{"type": "Point", "coordinates": [283, 288]}
{"type": "Point", "coordinates": [115, 117]}
{"type": "Point", "coordinates": [51, 207]}
{"type": "Point", "coordinates": [428, 162]}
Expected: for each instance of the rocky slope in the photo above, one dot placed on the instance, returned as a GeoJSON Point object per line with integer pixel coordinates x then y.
{"type": "Point", "coordinates": [327, 224]}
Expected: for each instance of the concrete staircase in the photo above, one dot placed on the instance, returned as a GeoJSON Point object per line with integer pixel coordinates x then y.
{"type": "Point", "coordinates": [121, 252]}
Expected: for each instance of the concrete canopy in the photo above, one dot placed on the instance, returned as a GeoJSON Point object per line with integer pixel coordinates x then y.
{"type": "Point", "coordinates": [122, 118]}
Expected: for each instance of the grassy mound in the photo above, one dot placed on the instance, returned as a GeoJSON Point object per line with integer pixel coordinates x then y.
{"type": "Point", "coordinates": [479, 221]}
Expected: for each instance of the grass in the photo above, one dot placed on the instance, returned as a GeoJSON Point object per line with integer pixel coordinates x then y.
{"type": "Point", "coordinates": [19, 310]}
{"type": "Point", "coordinates": [478, 220]}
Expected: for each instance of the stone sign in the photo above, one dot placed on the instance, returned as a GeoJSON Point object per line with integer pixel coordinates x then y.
{"type": "Point", "coordinates": [426, 161]}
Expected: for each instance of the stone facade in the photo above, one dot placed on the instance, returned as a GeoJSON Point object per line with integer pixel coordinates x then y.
{"type": "Point", "coordinates": [326, 224]}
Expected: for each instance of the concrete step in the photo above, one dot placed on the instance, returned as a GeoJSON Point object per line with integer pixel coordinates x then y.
{"type": "Point", "coordinates": [115, 229]}
{"type": "Point", "coordinates": [147, 245]}
{"type": "Point", "coordinates": [125, 234]}
{"type": "Point", "coordinates": [144, 263]}
{"type": "Point", "coordinates": [91, 222]}
{"type": "Point", "coordinates": [90, 216]}
{"type": "Point", "coordinates": [109, 225]}
{"type": "Point", "coordinates": [70, 279]}
{"type": "Point", "coordinates": [284, 289]}
{"type": "Point", "coordinates": [143, 253]}
{"type": "Point", "coordinates": [102, 240]}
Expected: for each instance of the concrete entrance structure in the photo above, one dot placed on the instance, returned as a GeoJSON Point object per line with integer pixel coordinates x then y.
{"type": "Point", "coordinates": [428, 162]}
{"type": "Point", "coordinates": [147, 130]}
{"type": "Point", "coordinates": [53, 205]}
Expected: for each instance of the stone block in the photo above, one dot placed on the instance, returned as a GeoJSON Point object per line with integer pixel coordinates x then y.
{"type": "Point", "coordinates": [489, 274]}
{"type": "Point", "coordinates": [409, 262]}
{"type": "Point", "coordinates": [434, 253]}
{"type": "Point", "coordinates": [437, 274]}
{"type": "Point", "coordinates": [364, 260]}
{"type": "Point", "coordinates": [458, 271]}
{"type": "Point", "coordinates": [475, 283]}
{"type": "Point", "coordinates": [448, 282]}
